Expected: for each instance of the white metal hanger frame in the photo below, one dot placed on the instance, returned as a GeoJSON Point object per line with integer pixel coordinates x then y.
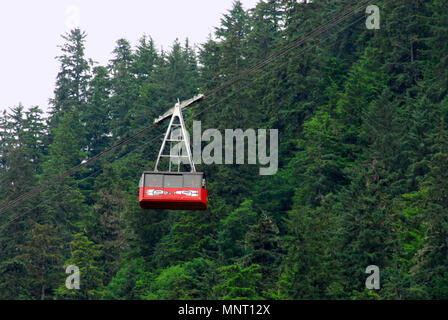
{"type": "Point", "coordinates": [171, 137]}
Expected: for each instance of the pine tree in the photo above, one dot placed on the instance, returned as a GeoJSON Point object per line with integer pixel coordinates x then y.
{"type": "Point", "coordinates": [72, 80]}
{"type": "Point", "coordinates": [22, 153]}
{"type": "Point", "coordinates": [42, 256]}
{"type": "Point", "coordinates": [433, 267]}
{"type": "Point", "coordinates": [239, 283]}
{"type": "Point", "coordinates": [62, 203]}
{"type": "Point", "coordinates": [84, 255]}
{"type": "Point", "coordinates": [233, 231]}
{"type": "Point", "coordinates": [262, 248]}
{"type": "Point", "coordinates": [97, 115]}
{"type": "Point", "coordinates": [311, 269]}
{"type": "Point", "coordinates": [123, 89]}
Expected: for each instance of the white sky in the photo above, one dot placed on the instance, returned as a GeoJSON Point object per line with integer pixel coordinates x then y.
{"type": "Point", "coordinates": [30, 33]}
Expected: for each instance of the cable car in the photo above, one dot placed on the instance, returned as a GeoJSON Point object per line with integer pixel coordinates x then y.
{"type": "Point", "coordinates": [173, 191]}
{"type": "Point", "coordinates": [170, 190]}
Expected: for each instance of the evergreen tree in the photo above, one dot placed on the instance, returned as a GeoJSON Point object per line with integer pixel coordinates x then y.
{"type": "Point", "coordinates": [239, 283]}
{"type": "Point", "coordinates": [84, 255]}
{"type": "Point", "coordinates": [263, 250]}
{"type": "Point", "coordinates": [123, 89]}
{"type": "Point", "coordinates": [41, 254]}
{"type": "Point", "coordinates": [72, 80]}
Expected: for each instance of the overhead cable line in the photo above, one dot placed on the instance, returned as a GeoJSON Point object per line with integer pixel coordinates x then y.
{"type": "Point", "coordinates": [75, 184]}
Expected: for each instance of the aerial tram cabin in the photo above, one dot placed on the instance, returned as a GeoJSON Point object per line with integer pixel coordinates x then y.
{"type": "Point", "coordinates": [171, 190]}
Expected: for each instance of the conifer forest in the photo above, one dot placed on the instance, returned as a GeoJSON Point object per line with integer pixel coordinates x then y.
{"type": "Point", "coordinates": [362, 179]}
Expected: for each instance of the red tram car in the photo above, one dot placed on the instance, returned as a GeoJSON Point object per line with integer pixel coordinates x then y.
{"type": "Point", "coordinates": [173, 191]}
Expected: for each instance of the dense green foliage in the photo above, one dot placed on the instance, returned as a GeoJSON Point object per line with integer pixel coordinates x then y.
{"type": "Point", "coordinates": [363, 178]}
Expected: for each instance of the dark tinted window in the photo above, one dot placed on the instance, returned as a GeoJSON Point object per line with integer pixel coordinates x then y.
{"type": "Point", "coordinates": [193, 181]}
{"type": "Point", "coordinates": [154, 181]}
{"type": "Point", "coordinates": [173, 181]}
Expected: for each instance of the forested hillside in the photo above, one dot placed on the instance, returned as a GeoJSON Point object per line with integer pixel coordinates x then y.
{"type": "Point", "coordinates": [363, 164]}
